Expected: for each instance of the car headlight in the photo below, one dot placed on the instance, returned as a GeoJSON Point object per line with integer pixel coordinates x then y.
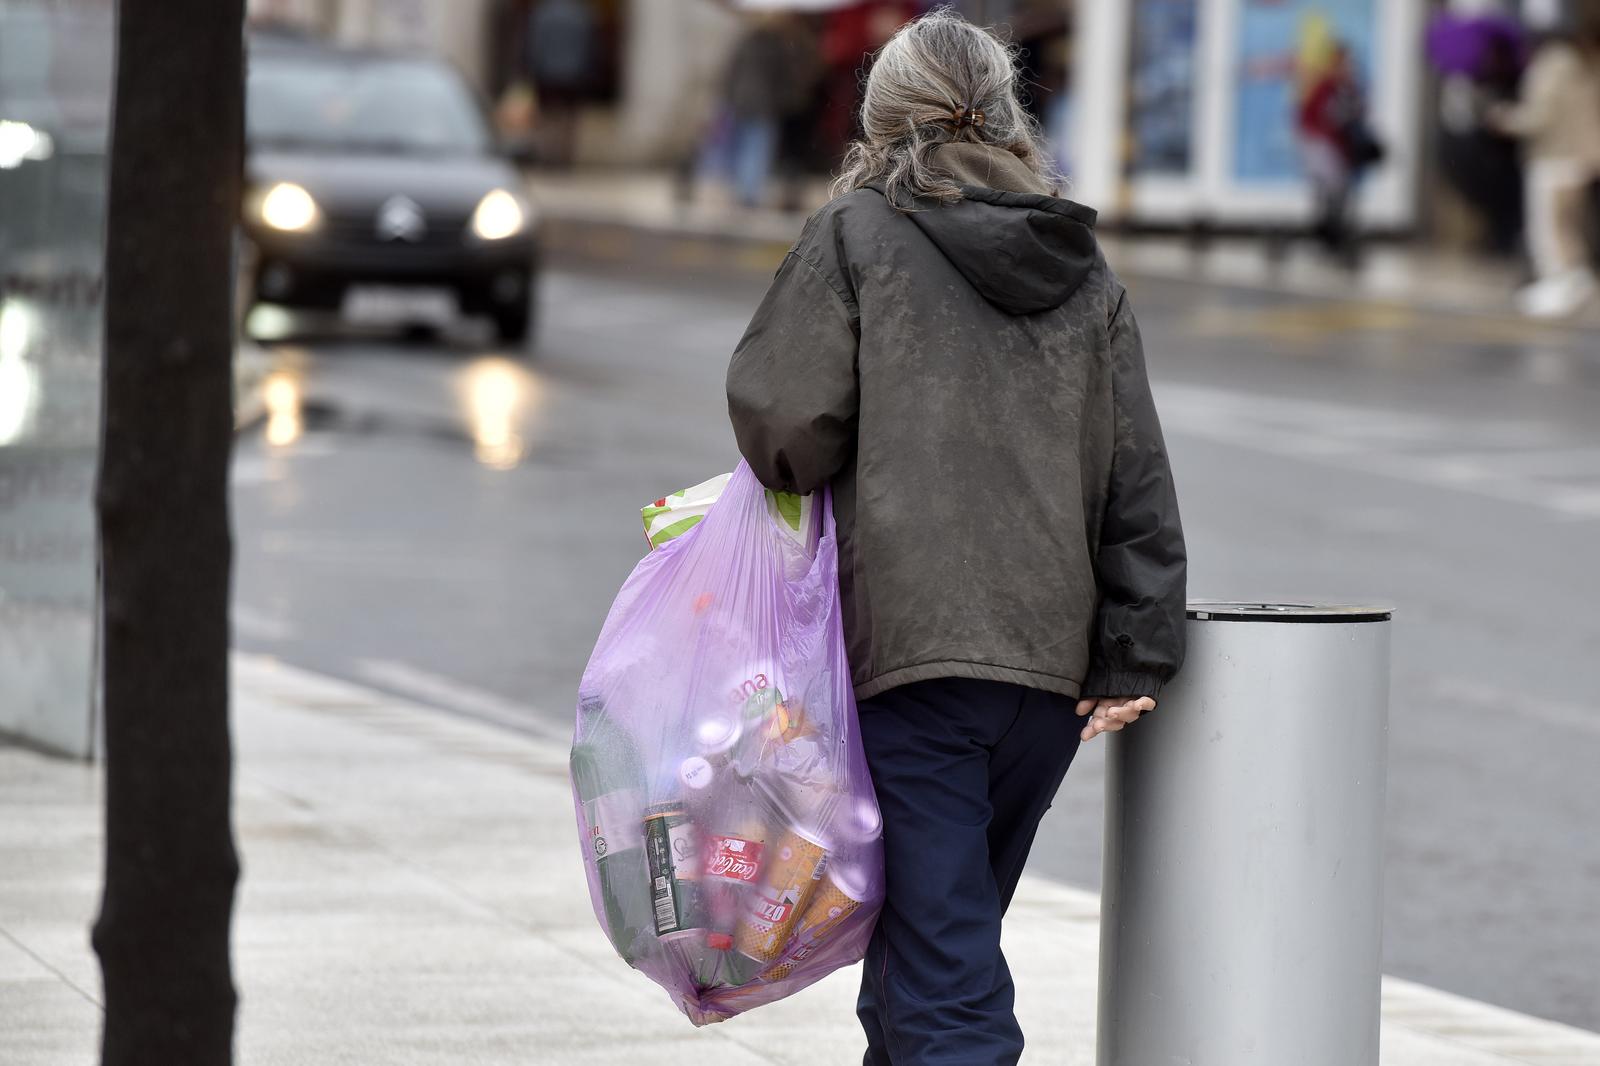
{"type": "Point", "coordinates": [499, 215]}
{"type": "Point", "coordinates": [289, 207]}
{"type": "Point", "coordinates": [20, 141]}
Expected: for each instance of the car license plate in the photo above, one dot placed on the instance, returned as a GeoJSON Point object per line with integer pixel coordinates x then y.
{"type": "Point", "coordinates": [400, 303]}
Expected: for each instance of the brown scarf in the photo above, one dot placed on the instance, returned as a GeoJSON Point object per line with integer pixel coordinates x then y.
{"type": "Point", "coordinates": [990, 167]}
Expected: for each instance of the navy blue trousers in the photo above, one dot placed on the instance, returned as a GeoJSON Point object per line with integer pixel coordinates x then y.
{"type": "Point", "coordinates": [964, 770]}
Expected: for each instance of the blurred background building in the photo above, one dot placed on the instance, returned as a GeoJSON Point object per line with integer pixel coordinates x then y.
{"type": "Point", "coordinates": [1164, 112]}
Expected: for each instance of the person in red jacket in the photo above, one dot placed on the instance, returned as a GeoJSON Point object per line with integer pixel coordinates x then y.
{"type": "Point", "coordinates": [1336, 146]}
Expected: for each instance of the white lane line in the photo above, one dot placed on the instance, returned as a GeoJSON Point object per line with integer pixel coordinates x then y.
{"type": "Point", "coordinates": [1533, 462]}
{"type": "Point", "coordinates": [1420, 449]}
{"type": "Point", "coordinates": [248, 472]}
{"type": "Point", "coordinates": [1557, 713]}
{"type": "Point", "coordinates": [373, 558]}
{"type": "Point", "coordinates": [255, 467]}
{"type": "Point", "coordinates": [454, 695]}
{"type": "Point", "coordinates": [1580, 503]}
{"type": "Point", "coordinates": [260, 625]}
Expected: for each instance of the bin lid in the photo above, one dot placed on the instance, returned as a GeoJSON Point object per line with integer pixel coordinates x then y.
{"type": "Point", "coordinates": [1246, 611]}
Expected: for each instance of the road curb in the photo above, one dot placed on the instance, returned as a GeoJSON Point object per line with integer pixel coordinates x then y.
{"type": "Point", "coordinates": [755, 243]}
{"type": "Point", "coordinates": [609, 242]}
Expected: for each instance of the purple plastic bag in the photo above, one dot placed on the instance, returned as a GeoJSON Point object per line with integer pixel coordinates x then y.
{"type": "Point", "coordinates": [729, 827]}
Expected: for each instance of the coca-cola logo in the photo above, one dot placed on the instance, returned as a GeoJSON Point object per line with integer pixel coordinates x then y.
{"type": "Point", "coordinates": [734, 859]}
{"type": "Point", "coordinates": [732, 868]}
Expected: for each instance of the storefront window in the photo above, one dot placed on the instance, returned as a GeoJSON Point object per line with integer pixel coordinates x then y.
{"type": "Point", "coordinates": [1161, 86]}
{"type": "Point", "coordinates": [1282, 46]}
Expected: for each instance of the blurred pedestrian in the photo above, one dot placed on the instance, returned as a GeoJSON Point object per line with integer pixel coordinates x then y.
{"type": "Point", "coordinates": [1480, 59]}
{"type": "Point", "coordinates": [850, 36]}
{"type": "Point", "coordinates": [797, 154]}
{"type": "Point", "coordinates": [946, 348]}
{"type": "Point", "coordinates": [1337, 145]}
{"type": "Point", "coordinates": [1558, 118]}
{"type": "Point", "coordinates": [772, 76]}
{"type": "Point", "coordinates": [562, 53]}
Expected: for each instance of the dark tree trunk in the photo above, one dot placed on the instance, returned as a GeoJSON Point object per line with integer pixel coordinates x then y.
{"type": "Point", "coordinates": [171, 868]}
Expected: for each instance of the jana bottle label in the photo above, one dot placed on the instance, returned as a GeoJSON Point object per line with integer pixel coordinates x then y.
{"type": "Point", "coordinates": [613, 821]}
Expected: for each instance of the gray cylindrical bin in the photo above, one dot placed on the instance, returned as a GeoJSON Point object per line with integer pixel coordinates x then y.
{"type": "Point", "coordinates": [1241, 917]}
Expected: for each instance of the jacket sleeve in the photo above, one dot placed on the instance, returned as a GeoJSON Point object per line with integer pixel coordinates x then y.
{"type": "Point", "coordinates": [1540, 99]}
{"type": "Point", "coordinates": [792, 392]}
{"type": "Point", "coordinates": [1140, 565]}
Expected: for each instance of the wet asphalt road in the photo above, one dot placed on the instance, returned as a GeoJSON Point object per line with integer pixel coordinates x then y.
{"type": "Point", "coordinates": [450, 522]}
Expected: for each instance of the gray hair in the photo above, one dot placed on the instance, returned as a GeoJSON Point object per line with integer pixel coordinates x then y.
{"type": "Point", "coordinates": [932, 71]}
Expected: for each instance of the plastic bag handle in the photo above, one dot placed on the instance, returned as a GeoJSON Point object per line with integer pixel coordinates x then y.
{"type": "Point", "coordinates": [745, 481]}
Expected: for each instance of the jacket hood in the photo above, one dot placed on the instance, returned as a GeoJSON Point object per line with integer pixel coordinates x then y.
{"type": "Point", "coordinates": [1023, 252]}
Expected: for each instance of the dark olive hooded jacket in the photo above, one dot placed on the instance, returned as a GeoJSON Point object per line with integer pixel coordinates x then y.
{"type": "Point", "coordinates": [970, 380]}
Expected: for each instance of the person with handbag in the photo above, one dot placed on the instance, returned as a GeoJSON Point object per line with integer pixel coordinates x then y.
{"type": "Point", "coordinates": [947, 348]}
{"type": "Point", "coordinates": [1337, 145]}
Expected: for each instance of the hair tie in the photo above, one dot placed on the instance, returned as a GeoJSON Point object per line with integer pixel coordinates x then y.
{"type": "Point", "coordinates": [968, 116]}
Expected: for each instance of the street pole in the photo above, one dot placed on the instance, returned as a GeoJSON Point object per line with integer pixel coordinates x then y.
{"type": "Point", "coordinates": [1241, 915]}
{"type": "Point", "coordinates": [170, 864]}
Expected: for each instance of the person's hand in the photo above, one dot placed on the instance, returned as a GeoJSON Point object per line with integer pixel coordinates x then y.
{"type": "Point", "coordinates": [1108, 714]}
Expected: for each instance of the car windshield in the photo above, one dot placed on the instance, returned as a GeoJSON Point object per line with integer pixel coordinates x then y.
{"type": "Point", "coordinates": [388, 105]}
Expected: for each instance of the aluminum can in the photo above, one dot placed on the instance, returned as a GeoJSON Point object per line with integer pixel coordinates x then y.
{"type": "Point", "coordinates": [673, 852]}
{"type": "Point", "coordinates": [840, 895]}
{"type": "Point", "coordinates": [795, 863]}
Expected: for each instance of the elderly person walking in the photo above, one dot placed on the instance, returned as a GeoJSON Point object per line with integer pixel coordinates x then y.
{"type": "Point", "coordinates": [947, 349]}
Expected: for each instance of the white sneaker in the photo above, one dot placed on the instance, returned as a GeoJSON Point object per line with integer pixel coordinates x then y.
{"type": "Point", "coordinates": [1557, 297]}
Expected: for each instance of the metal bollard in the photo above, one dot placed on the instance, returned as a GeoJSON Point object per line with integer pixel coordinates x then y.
{"type": "Point", "coordinates": [1241, 916]}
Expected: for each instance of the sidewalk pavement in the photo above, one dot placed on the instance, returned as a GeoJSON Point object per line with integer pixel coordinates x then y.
{"type": "Point", "coordinates": [412, 894]}
{"type": "Point", "coordinates": [607, 212]}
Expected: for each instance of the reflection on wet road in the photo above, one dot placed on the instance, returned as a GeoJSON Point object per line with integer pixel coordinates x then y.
{"type": "Point", "coordinates": [285, 418]}
{"type": "Point", "coordinates": [450, 522]}
{"type": "Point", "coordinates": [499, 394]}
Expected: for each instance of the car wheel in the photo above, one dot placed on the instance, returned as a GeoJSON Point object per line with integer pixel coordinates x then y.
{"type": "Point", "coordinates": [514, 325]}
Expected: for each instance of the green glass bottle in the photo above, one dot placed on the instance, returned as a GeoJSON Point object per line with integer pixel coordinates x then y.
{"type": "Point", "coordinates": [609, 778]}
